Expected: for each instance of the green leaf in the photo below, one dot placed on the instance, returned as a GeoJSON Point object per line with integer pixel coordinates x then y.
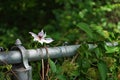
{"type": "Point", "coordinates": [52, 65]}
{"type": "Point", "coordinates": [102, 70]}
{"type": "Point", "coordinates": [98, 52]}
{"type": "Point", "coordinates": [111, 49]}
{"type": "Point", "coordinates": [85, 63]}
{"type": "Point", "coordinates": [2, 76]}
{"type": "Point", "coordinates": [75, 73]}
{"type": "Point", "coordinates": [86, 28]}
{"type": "Point", "coordinates": [61, 77]}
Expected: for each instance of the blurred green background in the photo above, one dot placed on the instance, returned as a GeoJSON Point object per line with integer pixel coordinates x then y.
{"type": "Point", "coordinates": [74, 21]}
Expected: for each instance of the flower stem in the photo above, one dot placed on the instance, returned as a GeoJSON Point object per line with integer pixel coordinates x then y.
{"type": "Point", "coordinates": [42, 69]}
{"type": "Point", "coordinates": [47, 70]}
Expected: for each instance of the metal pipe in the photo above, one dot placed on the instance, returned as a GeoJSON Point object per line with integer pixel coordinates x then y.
{"type": "Point", "coordinates": [10, 57]}
{"type": "Point", "coordinates": [14, 57]}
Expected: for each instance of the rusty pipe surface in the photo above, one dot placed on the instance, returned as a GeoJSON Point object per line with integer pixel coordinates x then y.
{"type": "Point", "coordinates": [14, 57]}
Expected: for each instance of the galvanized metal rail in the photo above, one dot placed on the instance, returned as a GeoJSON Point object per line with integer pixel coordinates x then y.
{"type": "Point", "coordinates": [14, 56]}
{"type": "Point", "coordinates": [19, 57]}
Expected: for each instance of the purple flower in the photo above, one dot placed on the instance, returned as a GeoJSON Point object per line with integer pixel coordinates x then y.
{"type": "Point", "coordinates": [41, 37]}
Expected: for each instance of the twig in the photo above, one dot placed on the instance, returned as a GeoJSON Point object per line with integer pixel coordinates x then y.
{"type": "Point", "coordinates": [42, 69]}
{"type": "Point", "coordinates": [10, 69]}
{"type": "Point", "coordinates": [74, 58]}
{"type": "Point", "coordinates": [42, 75]}
{"type": "Point", "coordinates": [47, 63]}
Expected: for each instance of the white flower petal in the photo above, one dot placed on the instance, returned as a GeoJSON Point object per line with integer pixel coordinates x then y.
{"type": "Point", "coordinates": [44, 35]}
{"type": "Point", "coordinates": [41, 33]}
{"type": "Point", "coordinates": [40, 42]}
{"type": "Point", "coordinates": [36, 38]}
{"type": "Point", "coordinates": [48, 40]}
{"type": "Point", "coordinates": [41, 37]}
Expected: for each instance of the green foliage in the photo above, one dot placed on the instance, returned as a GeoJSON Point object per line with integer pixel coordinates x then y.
{"type": "Point", "coordinates": [7, 72]}
{"type": "Point", "coordinates": [85, 28]}
{"type": "Point", "coordinates": [75, 21]}
{"type": "Point", "coordinates": [102, 70]}
{"type": "Point", "coordinates": [52, 65]}
{"type": "Point", "coordinates": [111, 49]}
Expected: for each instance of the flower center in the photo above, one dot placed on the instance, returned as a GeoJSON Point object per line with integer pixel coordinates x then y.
{"type": "Point", "coordinates": [40, 37]}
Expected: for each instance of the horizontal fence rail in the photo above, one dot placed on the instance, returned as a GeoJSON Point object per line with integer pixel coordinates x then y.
{"type": "Point", "coordinates": [14, 57]}
{"type": "Point", "coordinates": [18, 54]}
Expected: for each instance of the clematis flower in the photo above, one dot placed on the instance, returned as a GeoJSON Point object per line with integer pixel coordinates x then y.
{"type": "Point", "coordinates": [41, 37]}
